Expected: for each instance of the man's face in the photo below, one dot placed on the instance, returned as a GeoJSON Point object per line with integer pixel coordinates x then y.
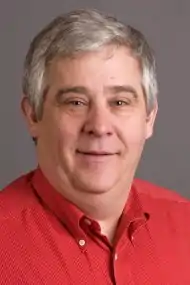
{"type": "Point", "coordinates": [94, 122]}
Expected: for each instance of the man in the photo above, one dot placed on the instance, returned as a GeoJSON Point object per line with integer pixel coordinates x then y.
{"type": "Point", "coordinates": [90, 102]}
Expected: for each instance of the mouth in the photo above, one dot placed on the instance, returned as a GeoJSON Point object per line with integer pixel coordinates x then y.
{"type": "Point", "coordinates": [91, 158]}
{"type": "Point", "coordinates": [96, 153]}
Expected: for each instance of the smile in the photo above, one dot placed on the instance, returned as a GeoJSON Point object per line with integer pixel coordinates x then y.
{"type": "Point", "coordinates": [95, 156]}
{"type": "Point", "coordinates": [96, 153]}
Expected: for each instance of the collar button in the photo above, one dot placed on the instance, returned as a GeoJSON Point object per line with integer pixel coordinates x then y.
{"type": "Point", "coordinates": [82, 242]}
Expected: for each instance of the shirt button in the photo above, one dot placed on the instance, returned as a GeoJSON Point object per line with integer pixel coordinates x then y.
{"type": "Point", "coordinates": [82, 242]}
{"type": "Point", "coordinates": [116, 256]}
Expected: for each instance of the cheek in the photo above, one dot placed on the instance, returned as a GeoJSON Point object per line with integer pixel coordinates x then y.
{"type": "Point", "coordinates": [134, 133]}
{"type": "Point", "coordinates": [50, 131]}
{"type": "Point", "coordinates": [68, 132]}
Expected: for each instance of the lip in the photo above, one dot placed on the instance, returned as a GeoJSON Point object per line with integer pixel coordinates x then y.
{"type": "Point", "coordinates": [91, 157]}
{"type": "Point", "coordinates": [96, 153]}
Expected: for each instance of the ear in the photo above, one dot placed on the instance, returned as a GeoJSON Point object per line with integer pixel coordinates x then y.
{"type": "Point", "coordinates": [150, 120]}
{"type": "Point", "coordinates": [30, 118]}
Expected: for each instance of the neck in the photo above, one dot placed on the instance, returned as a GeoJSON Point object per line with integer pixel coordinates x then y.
{"type": "Point", "coordinates": [108, 228]}
{"type": "Point", "coordinates": [104, 208]}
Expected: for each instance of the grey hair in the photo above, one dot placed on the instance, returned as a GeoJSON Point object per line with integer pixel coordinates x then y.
{"type": "Point", "coordinates": [80, 31]}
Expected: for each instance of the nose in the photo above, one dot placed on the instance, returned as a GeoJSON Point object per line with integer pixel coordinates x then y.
{"type": "Point", "coordinates": [98, 122]}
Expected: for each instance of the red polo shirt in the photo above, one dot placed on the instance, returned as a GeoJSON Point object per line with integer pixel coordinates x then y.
{"type": "Point", "coordinates": [44, 239]}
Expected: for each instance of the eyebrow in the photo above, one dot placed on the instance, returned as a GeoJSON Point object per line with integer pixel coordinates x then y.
{"type": "Point", "coordinates": [75, 89]}
{"type": "Point", "coordinates": [85, 91]}
{"type": "Point", "coordinates": [123, 88]}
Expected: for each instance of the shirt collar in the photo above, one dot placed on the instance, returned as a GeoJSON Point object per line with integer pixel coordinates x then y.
{"type": "Point", "coordinates": [64, 210]}
{"type": "Point", "coordinates": [133, 215]}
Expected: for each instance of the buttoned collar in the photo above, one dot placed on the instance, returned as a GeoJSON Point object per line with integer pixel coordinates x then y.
{"type": "Point", "coordinates": [71, 216]}
{"type": "Point", "coordinates": [133, 215]}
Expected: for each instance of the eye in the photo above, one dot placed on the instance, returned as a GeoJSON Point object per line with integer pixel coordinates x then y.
{"type": "Point", "coordinates": [120, 102]}
{"type": "Point", "coordinates": [76, 103]}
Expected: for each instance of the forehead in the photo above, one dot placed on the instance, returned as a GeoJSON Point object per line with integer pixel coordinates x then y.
{"type": "Point", "coordinates": [109, 66]}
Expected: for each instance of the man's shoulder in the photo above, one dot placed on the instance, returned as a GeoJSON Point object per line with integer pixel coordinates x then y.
{"type": "Point", "coordinates": [16, 196]}
{"type": "Point", "coordinates": [156, 192]}
{"type": "Point", "coordinates": [157, 199]}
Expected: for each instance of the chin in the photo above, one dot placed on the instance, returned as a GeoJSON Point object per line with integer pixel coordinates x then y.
{"type": "Point", "coordinates": [95, 186]}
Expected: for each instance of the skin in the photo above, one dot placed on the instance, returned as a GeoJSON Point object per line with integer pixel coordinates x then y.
{"type": "Point", "coordinates": [93, 130]}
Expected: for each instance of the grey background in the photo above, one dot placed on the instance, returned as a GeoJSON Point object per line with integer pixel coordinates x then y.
{"type": "Point", "coordinates": [166, 24]}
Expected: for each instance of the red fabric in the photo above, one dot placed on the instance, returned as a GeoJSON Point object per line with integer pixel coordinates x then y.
{"type": "Point", "coordinates": [44, 239]}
